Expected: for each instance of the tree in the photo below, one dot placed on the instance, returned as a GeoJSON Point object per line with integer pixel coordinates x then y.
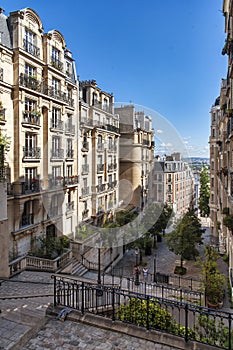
{"type": "Point", "coordinates": [204, 192]}
{"type": "Point", "coordinates": [184, 239]}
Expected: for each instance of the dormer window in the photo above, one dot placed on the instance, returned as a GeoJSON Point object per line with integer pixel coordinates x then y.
{"type": "Point", "coordinates": [29, 43]}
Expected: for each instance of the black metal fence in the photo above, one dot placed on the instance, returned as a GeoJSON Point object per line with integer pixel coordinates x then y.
{"type": "Point", "coordinates": [185, 320]}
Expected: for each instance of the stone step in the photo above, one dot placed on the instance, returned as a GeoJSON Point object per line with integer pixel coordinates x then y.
{"type": "Point", "coordinates": [78, 269]}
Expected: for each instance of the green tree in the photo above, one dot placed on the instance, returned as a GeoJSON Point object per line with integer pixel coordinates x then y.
{"type": "Point", "coordinates": [204, 192]}
{"type": "Point", "coordinates": [184, 239]}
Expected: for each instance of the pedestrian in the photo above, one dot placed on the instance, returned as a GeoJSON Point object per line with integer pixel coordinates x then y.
{"type": "Point", "coordinates": [145, 273]}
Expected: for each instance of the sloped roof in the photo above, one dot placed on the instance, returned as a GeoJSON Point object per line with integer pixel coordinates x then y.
{"type": "Point", "coordinates": [4, 30]}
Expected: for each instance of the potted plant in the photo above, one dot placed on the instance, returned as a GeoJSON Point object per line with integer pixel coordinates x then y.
{"type": "Point", "coordinates": [214, 289]}
{"type": "Point", "coordinates": [213, 281]}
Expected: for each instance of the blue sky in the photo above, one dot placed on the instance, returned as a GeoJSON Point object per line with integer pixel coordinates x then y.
{"type": "Point", "coordinates": [165, 55]}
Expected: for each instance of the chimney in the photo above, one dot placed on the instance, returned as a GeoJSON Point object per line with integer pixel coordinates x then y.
{"type": "Point", "coordinates": [1, 10]}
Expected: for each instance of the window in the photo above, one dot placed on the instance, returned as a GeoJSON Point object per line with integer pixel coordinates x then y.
{"type": "Point", "coordinates": [94, 98]}
{"type": "Point", "coordinates": [29, 70]}
{"type": "Point", "coordinates": [56, 113]}
{"type": "Point", "coordinates": [55, 54]}
{"type": "Point", "coordinates": [69, 170]}
{"type": "Point", "coordinates": [30, 140]}
{"type": "Point", "coordinates": [100, 139]}
{"type": "Point", "coordinates": [69, 148]}
{"type": "Point", "coordinates": [99, 160]}
{"type": "Point", "coordinates": [27, 215]}
{"type": "Point", "coordinates": [30, 173]}
{"type": "Point", "coordinates": [29, 36]}
{"type": "Point", "coordinates": [110, 143]}
{"type": "Point", "coordinates": [56, 85]}
{"type": "Point", "coordinates": [56, 172]}
{"type": "Point", "coordinates": [29, 105]}
{"type": "Point", "coordinates": [57, 152]}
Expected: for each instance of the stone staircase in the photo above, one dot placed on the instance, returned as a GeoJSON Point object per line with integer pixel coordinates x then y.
{"type": "Point", "coordinates": [78, 269]}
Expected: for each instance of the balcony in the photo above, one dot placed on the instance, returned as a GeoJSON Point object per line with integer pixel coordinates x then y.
{"type": "Point", "coordinates": [2, 116]}
{"type": "Point", "coordinates": [71, 180]}
{"type": "Point", "coordinates": [57, 94]}
{"type": "Point", "coordinates": [112, 148]}
{"type": "Point", "coordinates": [57, 154]}
{"type": "Point", "coordinates": [30, 82]}
{"type": "Point", "coordinates": [70, 154]}
{"type": "Point", "coordinates": [145, 142]}
{"type": "Point", "coordinates": [85, 191]}
{"type": "Point", "coordinates": [57, 125]}
{"type": "Point", "coordinates": [56, 63]}
{"type": "Point", "coordinates": [112, 167]}
{"type": "Point", "coordinates": [85, 169]}
{"type": "Point", "coordinates": [70, 129]}
{"type": "Point", "coordinates": [31, 153]}
{"type": "Point", "coordinates": [30, 48]}
{"type": "Point", "coordinates": [26, 220]}
{"type": "Point", "coordinates": [69, 207]}
{"type": "Point", "coordinates": [113, 128]}
{"type": "Point", "coordinates": [31, 186]}
{"type": "Point", "coordinates": [100, 147]}
{"type": "Point", "coordinates": [56, 182]}
{"type": "Point", "coordinates": [101, 187]}
{"type": "Point", "coordinates": [112, 185]}
{"type": "Point", "coordinates": [32, 118]}
{"type": "Point", "coordinates": [85, 147]}
{"type": "Point", "coordinates": [100, 168]}
{"type": "Point", "coordinates": [85, 214]}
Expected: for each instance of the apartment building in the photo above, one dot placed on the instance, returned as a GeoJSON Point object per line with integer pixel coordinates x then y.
{"type": "Point", "coordinates": [173, 183]}
{"type": "Point", "coordinates": [136, 156]}
{"type": "Point", "coordinates": [221, 151]}
{"type": "Point", "coordinates": [39, 99]}
{"type": "Point", "coordinates": [99, 153]}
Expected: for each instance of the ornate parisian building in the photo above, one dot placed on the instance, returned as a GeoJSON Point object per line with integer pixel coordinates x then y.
{"type": "Point", "coordinates": [221, 151]}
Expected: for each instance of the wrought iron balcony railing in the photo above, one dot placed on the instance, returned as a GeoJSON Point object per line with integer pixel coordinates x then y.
{"type": "Point", "coordinates": [100, 147]}
{"type": "Point", "coordinates": [70, 129]}
{"type": "Point", "coordinates": [30, 186]}
{"type": "Point", "coordinates": [71, 180]}
{"type": "Point", "coordinates": [70, 153]}
{"type": "Point", "coordinates": [57, 124]}
{"type": "Point", "coordinates": [30, 82]}
{"type": "Point", "coordinates": [101, 187]}
{"type": "Point", "coordinates": [85, 191]}
{"type": "Point", "coordinates": [57, 153]}
{"type": "Point", "coordinates": [56, 63]}
{"type": "Point", "coordinates": [85, 168]}
{"type": "Point", "coordinates": [31, 117]}
{"type": "Point", "coordinates": [100, 168]}
{"type": "Point", "coordinates": [32, 152]}
{"type": "Point", "coordinates": [31, 48]}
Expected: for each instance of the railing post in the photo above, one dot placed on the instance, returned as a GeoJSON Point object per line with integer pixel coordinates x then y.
{"type": "Point", "coordinates": [229, 327]}
{"type": "Point", "coordinates": [82, 298]}
{"type": "Point", "coordinates": [147, 313]}
{"type": "Point", "coordinates": [54, 290]}
{"type": "Point", "coordinates": [113, 305]}
{"type": "Point", "coordinates": [186, 322]}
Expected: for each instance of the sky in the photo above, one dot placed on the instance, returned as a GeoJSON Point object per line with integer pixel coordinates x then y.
{"type": "Point", "coordinates": [164, 55]}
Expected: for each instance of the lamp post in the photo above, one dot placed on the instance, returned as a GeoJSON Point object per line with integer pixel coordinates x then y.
{"type": "Point", "coordinates": [155, 257]}
{"type": "Point", "coordinates": [136, 268]}
{"type": "Point", "coordinates": [99, 292]}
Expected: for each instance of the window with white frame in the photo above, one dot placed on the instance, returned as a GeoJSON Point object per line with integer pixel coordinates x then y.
{"type": "Point", "coordinates": [29, 70]}
{"type": "Point", "coordinates": [29, 105]}
{"type": "Point", "coordinates": [56, 117]}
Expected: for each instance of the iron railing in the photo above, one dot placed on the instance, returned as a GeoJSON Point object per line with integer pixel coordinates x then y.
{"type": "Point", "coordinates": [188, 321]}
{"type": "Point", "coordinates": [30, 48]}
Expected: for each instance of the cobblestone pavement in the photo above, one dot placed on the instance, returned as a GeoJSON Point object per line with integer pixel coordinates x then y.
{"type": "Point", "coordinates": [57, 335]}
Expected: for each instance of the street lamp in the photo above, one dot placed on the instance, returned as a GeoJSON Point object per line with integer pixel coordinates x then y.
{"type": "Point", "coordinates": [155, 257]}
{"type": "Point", "coordinates": [99, 292]}
{"type": "Point", "coordinates": [136, 268]}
